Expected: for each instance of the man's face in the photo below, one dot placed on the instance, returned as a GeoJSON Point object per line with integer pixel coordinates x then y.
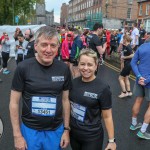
{"type": "Point", "coordinates": [100, 31]}
{"type": "Point", "coordinates": [27, 33]}
{"type": "Point", "coordinates": [46, 49]}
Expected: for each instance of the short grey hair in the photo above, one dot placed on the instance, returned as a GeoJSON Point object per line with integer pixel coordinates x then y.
{"type": "Point", "coordinates": [47, 32]}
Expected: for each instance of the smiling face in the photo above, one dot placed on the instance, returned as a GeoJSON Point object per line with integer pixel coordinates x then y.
{"type": "Point", "coordinates": [87, 67]}
{"type": "Point", "coordinates": [47, 49]}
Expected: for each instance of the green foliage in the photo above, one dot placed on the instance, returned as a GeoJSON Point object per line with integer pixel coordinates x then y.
{"type": "Point", "coordinates": [22, 8]}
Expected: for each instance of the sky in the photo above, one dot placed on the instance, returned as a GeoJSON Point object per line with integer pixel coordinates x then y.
{"type": "Point", "coordinates": [56, 5]}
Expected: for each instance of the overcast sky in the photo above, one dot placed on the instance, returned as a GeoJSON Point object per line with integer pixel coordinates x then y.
{"type": "Point", "coordinates": [56, 5]}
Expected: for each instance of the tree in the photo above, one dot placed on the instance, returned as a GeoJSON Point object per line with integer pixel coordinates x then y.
{"type": "Point", "coordinates": [10, 8]}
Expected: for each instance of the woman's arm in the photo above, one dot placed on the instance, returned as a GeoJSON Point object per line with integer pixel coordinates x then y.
{"type": "Point", "coordinates": [107, 116]}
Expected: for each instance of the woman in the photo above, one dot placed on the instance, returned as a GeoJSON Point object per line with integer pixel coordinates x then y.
{"type": "Point", "coordinates": [5, 52]}
{"type": "Point", "coordinates": [90, 98]}
{"type": "Point", "coordinates": [21, 50]}
{"type": "Point", "coordinates": [127, 55]}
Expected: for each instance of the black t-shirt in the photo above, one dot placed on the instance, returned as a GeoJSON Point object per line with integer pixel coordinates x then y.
{"type": "Point", "coordinates": [127, 50]}
{"type": "Point", "coordinates": [41, 88]}
{"type": "Point", "coordinates": [93, 40]}
{"type": "Point", "coordinates": [88, 99]}
{"type": "Point", "coordinates": [31, 50]}
{"type": "Point", "coordinates": [142, 33]}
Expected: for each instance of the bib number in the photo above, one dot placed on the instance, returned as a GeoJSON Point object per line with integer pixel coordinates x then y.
{"type": "Point", "coordinates": [43, 106]}
{"type": "Point", "coordinates": [78, 111]}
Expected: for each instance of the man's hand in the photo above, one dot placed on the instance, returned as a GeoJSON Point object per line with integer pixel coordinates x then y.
{"type": "Point", "coordinates": [20, 143]}
{"type": "Point", "coordinates": [65, 140]}
{"type": "Point", "coordinates": [111, 146]}
{"type": "Point", "coordinates": [141, 81]}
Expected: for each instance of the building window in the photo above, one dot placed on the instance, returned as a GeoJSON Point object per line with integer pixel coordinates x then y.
{"type": "Point", "coordinates": [129, 13]}
{"type": "Point", "coordinates": [140, 10]}
{"type": "Point", "coordinates": [130, 1]}
{"type": "Point", "coordinates": [147, 9]}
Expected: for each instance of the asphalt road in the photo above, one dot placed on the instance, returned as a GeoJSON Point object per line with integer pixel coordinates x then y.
{"type": "Point", "coordinates": [126, 139]}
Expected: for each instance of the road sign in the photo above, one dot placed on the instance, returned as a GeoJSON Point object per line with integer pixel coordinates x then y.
{"type": "Point", "coordinates": [16, 19]}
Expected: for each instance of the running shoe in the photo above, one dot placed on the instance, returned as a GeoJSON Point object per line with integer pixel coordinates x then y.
{"type": "Point", "coordinates": [137, 126]}
{"type": "Point", "coordinates": [144, 135]}
{"type": "Point", "coordinates": [6, 72]}
{"type": "Point", "coordinates": [122, 95]}
{"type": "Point", "coordinates": [129, 93]}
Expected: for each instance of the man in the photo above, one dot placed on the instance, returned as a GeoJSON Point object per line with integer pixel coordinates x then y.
{"type": "Point", "coordinates": [142, 33]}
{"type": "Point", "coordinates": [75, 50]}
{"type": "Point", "coordinates": [29, 36]}
{"type": "Point", "coordinates": [141, 66]}
{"type": "Point", "coordinates": [94, 42]}
{"type": "Point", "coordinates": [43, 83]}
{"type": "Point", "coordinates": [134, 36]}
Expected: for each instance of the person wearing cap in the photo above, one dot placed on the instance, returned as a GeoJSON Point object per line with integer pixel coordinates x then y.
{"type": "Point", "coordinates": [66, 48]}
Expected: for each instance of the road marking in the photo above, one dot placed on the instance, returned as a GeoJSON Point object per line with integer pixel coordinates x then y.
{"type": "Point", "coordinates": [118, 70]}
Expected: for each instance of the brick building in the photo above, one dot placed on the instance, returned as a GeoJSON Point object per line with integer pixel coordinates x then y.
{"type": "Point", "coordinates": [80, 10]}
{"type": "Point", "coordinates": [144, 13]}
{"type": "Point", "coordinates": [120, 9]}
{"type": "Point", "coordinates": [64, 14]}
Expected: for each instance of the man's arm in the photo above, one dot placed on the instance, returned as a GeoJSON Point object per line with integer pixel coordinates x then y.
{"type": "Point", "coordinates": [101, 49]}
{"type": "Point", "coordinates": [66, 117]}
{"type": "Point", "coordinates": [14, 115]}
{"type": "Point", "coordinates": [134, 64]}
{"type": "Point", "coordinates": [128, 57]}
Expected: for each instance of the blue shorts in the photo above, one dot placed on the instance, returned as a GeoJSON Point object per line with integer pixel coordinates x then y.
{"type": "Point", "coordinates": [42, 140]}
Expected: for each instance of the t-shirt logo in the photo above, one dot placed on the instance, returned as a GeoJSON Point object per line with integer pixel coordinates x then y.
{"type": "Point", "coordinates": [58, 78]}
{"type": "Point", "coordinates": [91, 95]}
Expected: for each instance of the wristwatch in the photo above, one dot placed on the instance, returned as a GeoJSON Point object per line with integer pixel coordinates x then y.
{"type": "Point", "coordinates": [67, 128]}
{"type": "Point", "coordinates": [111, 140]}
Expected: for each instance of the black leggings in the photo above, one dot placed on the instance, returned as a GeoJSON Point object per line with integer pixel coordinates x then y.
{"type": "Point", "coordinates": [20, 58]}
{"type": "Point", "coordinates": [89, 145]}
{"type": "Point", "coordinates": [5, 57]}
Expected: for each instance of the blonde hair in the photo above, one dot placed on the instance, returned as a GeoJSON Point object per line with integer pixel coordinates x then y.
{"type": "Point", "coordinates": [88, 52]}
{"type": "Point", "coordinates": [127, 38]}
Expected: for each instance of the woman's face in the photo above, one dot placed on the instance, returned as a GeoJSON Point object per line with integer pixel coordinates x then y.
{"type": "Point", "coordinates": [87, 67]}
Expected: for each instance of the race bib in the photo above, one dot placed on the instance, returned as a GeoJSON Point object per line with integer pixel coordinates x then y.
{"type": "Point", "coordinates": [78, 111]}
{"type": "Point", "coordinates": [43, 106]}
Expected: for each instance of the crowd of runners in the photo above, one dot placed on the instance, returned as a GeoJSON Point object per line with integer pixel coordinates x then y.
{"type": "Point", "coordinates": [64, 102]}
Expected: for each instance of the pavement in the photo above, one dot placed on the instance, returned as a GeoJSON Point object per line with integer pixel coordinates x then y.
{"type": "Point", "coordinates": [125, 139]}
